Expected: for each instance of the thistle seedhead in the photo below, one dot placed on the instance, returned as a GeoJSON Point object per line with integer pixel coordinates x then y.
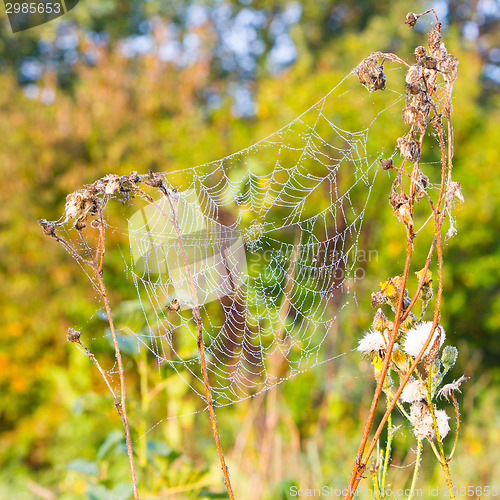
{"type": "Point", "coordinates": [417, 337]}
{"type": "Point", "coordinates": [79, 204]}
{"type": "Point", "coordinates": [413, 116]}
{"type": "Point", "coordinates": [373, 344]}
{"type": "Point", "coordinates": [434, 39]}
{"type": "Point", "coordinates": [109, 184]}
{"type": "Point", "coordinates": [378, 299]}
{"type": "Point", "coordinates": [423, 423]}
{"type": "Point", "coordinates": [414, 391]}
{"type": "Point", "coordinates": [48, 228]}
{"type": "Point", "coordinates": [409, 148]}
{"type": "Point", "coordinates": [420, 54]}
{"type": "Point", "coordinates": [411, 19]}
{"type": "Point", "coordinates": [386, 163]}
{"type": "Point", "coordinates": [370, 73]}
{"type": "Point", "coordinates": [73, 335]}
{"type": "Point", "coordinates": [154, 180]}
{"type": "Point", "coordinates": [413, 78]}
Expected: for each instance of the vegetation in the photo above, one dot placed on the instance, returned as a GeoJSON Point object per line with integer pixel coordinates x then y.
{"type": "Point", "coordinates": [106, 111]}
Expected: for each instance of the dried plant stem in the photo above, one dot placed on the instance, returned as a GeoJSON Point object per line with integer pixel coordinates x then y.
{"type": "Point", "coordinates": [89, 353]}
{"type": "Point", "coordinates": [95, 261]}
{"type": "Point", "coordinates": [121, 406]}
{"type": "Point", "coordinates": [360, 462]}
{"type": "Point", "coordinates": [201, 344]}
{"type": "Point", "coordinates": [439, 210]}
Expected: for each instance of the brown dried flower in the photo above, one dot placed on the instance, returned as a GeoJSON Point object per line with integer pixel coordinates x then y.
{"type": "Point", "coordinates": [413, 78]}
{"type": "Point", "coordinates": [430, 62]}
{"type": "Point", "coordinates": [386, 163]}
{"type": "Point", "coordinates": [401, 205]}
{"type": "Point", "coordinates": [421, 185]}
{"type": "Point", "coordinates": [48, 228]}
{"type": "Point", "coordinates": [370, 73]}
{"type": "Point", "coordinates": [413, 116]}
{"type": "Point", "coordinates": [454, 191]}
{"type": "Point", "coordinates": [378, 298]}
{"type": "Point", "coordinates": [173, 306]}
{"type": "Point", "coordinates": [79, 204]}
{"type": "Point", "coordinates": [420, 54]}
{"type": "Point", "coordinates": [154, 180]}
{"type": "Point", "coordinates": [411, 19]}
{"type": "Point", "coordinates": [133, 177]}
{"type": "Point", "coordinates": [434, 38]}
{"type": "Point", "coordinates": [73, 335]}
{"type": "Point", "coordinates": [109, 184]}
{"type": "Point", "coordinates": [409, 148]}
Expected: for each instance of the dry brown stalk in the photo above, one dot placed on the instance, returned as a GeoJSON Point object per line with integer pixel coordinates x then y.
{"type": "Point", "coordinates": [364, 453]}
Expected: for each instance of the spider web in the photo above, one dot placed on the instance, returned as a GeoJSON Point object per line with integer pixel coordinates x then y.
{"type": "Point", "coordinates": [271, 234]}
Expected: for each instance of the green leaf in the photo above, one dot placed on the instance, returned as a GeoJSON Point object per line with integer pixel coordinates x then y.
{"type": "Point", "coordinates": [121, 491]}
{"type": "Point", "coordinates": [162, 449]}
{"type": "Point", "coordinates": [127, 343]}
{"type": "Point", "coordinates": [84, 466]}
{"type": "Point", "coordinates": [113, 438]}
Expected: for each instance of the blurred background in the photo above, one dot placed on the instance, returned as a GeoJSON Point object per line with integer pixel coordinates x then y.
{"type": "Point", "coordinates": [135, 85]}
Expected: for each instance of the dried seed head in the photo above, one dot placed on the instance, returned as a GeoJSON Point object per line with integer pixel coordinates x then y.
{"type": "Point", "coordinates": [448, 64]}
{"type": "Point", "coordinates": [154, 180]}
{"type": "Point", "coordinates": [409, 149]}
{"type": "Point", "coordinates": [133, 177]}
{"type": "Point", "coordinates": [96, 224]}
{"type": "Point", "coordinates": [404, 214]}
{"type": "Point", "coordinates": [439, 53]}
{"type": "Point", "coordinates": [413, 79]}
{"type": "Point", "coordinates": [48, 228]}
{"type": "Point", "coordinates": [109, 184]}
{"type": "Point", "coordinates": [414, 391]}
{"type": "Point", "coordinates": [370, 73]}
{"type": "Point", "coordinates": [174, 305]}
{"type": "Point", "coordinates": [421, 101]}
{"type": "Point", "coordinates": [378, 298]}
{"type": "Point", "coordinates": [413, 116]}
{"type": "Point", "coordinates": [434, 38]}
{"type": "Point", "coordinates": [386, 163]}
{"type": "Point", "coordinates": [430, 63]}
{"type": "Point", "coordinates": [420, 54]}
{"type": "Point", "coordinates": [454, 191]}
{"type": "Point", "coordinates": [411, 19]}
{"type": "Point", "coordinates": [401, 206]}
{"type": "Point", "coordinates": [73, 335]}
{"type": "Point", "coordinates": [396, 200]}
{"type": "Point", "coordinates": [79, 204]}
{"type": "Point", "coordinates": [423, 423]}
{"type": "Point", "coordinates": [80, 224]}
{"type": "Point", "coordinates": [421, 185]}
{"type": "Point", "coordinates": [410, 114]}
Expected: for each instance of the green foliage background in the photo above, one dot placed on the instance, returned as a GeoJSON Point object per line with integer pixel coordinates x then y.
{"type": "Point", "coordinates": [60, 435]}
